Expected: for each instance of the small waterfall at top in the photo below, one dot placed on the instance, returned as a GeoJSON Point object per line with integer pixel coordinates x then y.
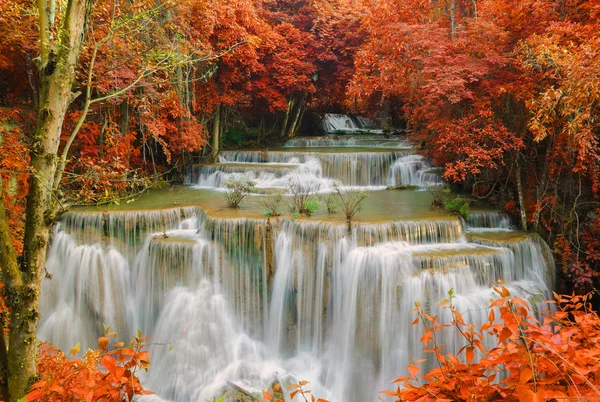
{"type": "Point", "coordinates": [228, 298]}
{"type": "Point", "coordinates": [338, 122]}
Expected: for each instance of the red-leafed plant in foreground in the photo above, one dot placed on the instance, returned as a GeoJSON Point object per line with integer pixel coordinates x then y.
{"type": "Point", "coordinates": [555, 360]}
{"type": "Point", "coordinates": [294, 390]}
{"type": "Point", "coordinates": [101, 375]}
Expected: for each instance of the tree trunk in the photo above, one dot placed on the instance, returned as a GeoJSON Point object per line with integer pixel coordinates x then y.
{"type": "Point", "coordinates": [286, 118]}
{"type": "Point", "coordinates": [298, 112]}
{"type": "Point", "coordinates": [215, 134]}
{"type": "Point", "coordinates": [123, 117]}
{"type": "Point", "coordinates": [57, 73]}
{"type": "Point", "coordinates": [452, 19]}
{"type": "Point", "coordinates": [521, 197]}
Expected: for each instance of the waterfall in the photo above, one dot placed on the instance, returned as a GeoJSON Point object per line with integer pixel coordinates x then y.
{"type": "Point", "coordinates": [350, 168]}
{"type": "Point", "coordinates": [488, 221]}
{"type": "Point", "coordinates": [227, 297]}
{"type": "Point", "coordinates": [364, 140]}
{"type": "Point", "coordinates": [365, 123]}
{"type": "Point", "coordinates": [310, 172]}
{"type": "Point", "coordinates": [413, 170]}
{"type": "Point", "coordinates": [338, 122]}
{"type": "Point", "coordinates": [337, 312]}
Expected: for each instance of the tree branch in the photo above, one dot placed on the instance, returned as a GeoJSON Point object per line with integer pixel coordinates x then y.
{"type": "Point", "coordinates": [44, 32]}
{"type": "Point", "coordinates": [80, 121]}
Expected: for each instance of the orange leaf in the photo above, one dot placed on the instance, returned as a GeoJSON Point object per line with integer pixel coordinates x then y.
{"type": "Point", "coordinates": [525, 375]}
{"type": "Point", "coordinates": [470, 354]}
{"type": "Point", "coordinates": [103, 343]}
{"type": "Point", "coordinates": [413, 370]}
{"type": "Point", "coordinates": [109, 364]}
{"type": "Point", "coordinates": [34, 395]}
{"type": "Point", "coordinates": [267, 396]}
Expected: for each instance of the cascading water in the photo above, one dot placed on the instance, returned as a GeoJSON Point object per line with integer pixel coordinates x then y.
{"type": "Point", "coordinates": [338, 122]}
{"type": "Point", "coordinates": [488, 221]}
{"type": "Point", "coordinates": [254, 301]}
{"type": "Point", "coordinates": [341, 123]}
{"type": "Point", "coordinates": [349, 141]}
{"type": "Point", "coordinates": [413, 170]}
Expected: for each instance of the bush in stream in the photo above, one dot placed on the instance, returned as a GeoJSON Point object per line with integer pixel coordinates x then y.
{"type": "Point", "coordinates": [271, 205]}
{"type": "Point", "coordinates": [330, 203]}
{"type": "Point", "coordinates": [555, 360]}
{"type": "Point", "coordinates": [303, 197]}
{"type": "Point", "coordinates": [310, 207]}
{"type": "Point", "coordinates": [452, 202]}
{"type": "Point", "coordinates": [100, 375]}
{"type": "Point", "coordinates": [350, 202]}
{"type": "Point", "coordinates": [236, 191]}
{"type": "Point", "coordinates": [458, 206]}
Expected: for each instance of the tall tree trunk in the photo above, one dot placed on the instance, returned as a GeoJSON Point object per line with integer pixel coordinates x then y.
{"type": "Point", "coordinates": [298, 112]}
{"type": "Point", "coordinates": [22, 286]}
{"type": "Point", "coordinates": [260, 130]}
{"type": "Point", "coordinates": [452, 19]}
{"type": "Point", "coordinates": [215, 134]}
{"type": "Point", "coordinates": [521, 196]}
{"type": "Point", "coordinates": [123, 117]}
{"type": "Point", "coordinates": [286, 118]}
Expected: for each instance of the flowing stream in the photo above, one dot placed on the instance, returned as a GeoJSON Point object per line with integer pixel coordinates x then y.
{"type": "Point", "coordinates": [234, 297]}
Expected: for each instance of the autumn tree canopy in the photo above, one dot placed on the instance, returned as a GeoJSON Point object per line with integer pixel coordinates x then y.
{"type": "Point", "coordinates": [101, 100]}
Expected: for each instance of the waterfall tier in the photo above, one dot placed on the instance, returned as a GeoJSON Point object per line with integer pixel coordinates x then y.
{"type": "Point", "coordinates": [349, 141]}
{"type": "Point", "coordinates": [255, 300]}
{"type": "Point", "coordinates": [228, 295]}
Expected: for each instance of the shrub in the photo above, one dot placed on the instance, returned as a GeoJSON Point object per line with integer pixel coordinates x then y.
{"type": "Point", "coordinates": [236, 191]}
{"type": "Point", "coordinates": [458, 206]}
{"type": "Point", "coordinates": [303, 197]}
{"type": "Point", "coordinates": [554, 360]}
{"type": "Point", "coordinates": [330, 203]}
{"type": "Point", "coordinates": [101, 375]}
{"type": "Point", "coordinates": [271, 205]}
{"type": "Point", "coordinates": [452, 202]}
{"type": "Point", "coordinates": [349, 202]}
{"type": "Point", "coordinates": [310, 207]}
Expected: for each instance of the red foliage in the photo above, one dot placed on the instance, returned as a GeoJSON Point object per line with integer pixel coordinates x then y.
{"type": "Point", "coordinates": [554, 360]}
{"type": "Point", "coordinates": [101, 375]}
{"type": "Point", "coordinates": [14, 171]}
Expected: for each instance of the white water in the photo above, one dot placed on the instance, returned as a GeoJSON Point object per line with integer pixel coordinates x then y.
{"type": "Point", "coordinates": [253, 302]}
{"type": "Point", "coordinates": [354, 169]}
{"type": "Point", "coordinates": [379, 141]}
{"type": "Point", "coordinates": [338, 312]}
{"type": "Point", "coordinates": [338, 122]}
{"type": "Point", "coordinates": [309, 172]}
{"type": "Point", "coordinates": [488, 222]}
{"type": "Point", "coordinates": [413, 170]}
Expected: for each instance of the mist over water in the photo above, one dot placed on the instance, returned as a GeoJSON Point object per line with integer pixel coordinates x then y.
{"type": "Point", "coordinates": [253, 301]}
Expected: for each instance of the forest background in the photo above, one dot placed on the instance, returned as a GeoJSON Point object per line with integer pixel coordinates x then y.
{"type": "Point", "coordinates": [101, 100]}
